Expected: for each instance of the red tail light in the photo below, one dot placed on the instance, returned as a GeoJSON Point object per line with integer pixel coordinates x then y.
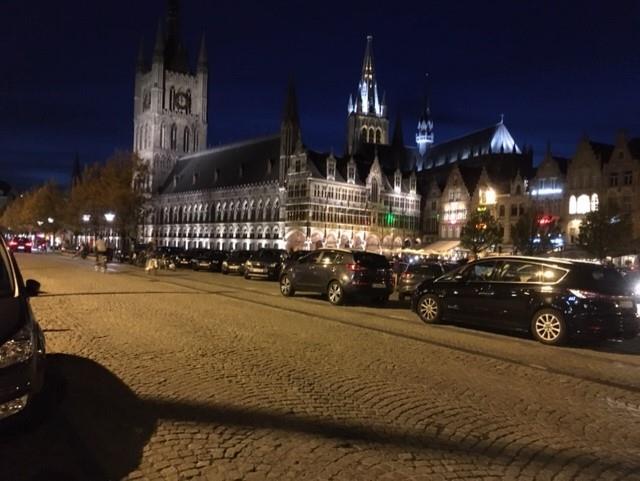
{"type": "Point", "coordinates": [29, 244]}
{"type": "Point", "coordinates": [355, 267]}
{"type": "Point", "coordinates": [13, 243]}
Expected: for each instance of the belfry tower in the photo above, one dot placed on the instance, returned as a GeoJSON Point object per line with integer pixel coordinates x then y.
{"type": "Point", "coordinates": [367, 120]}
{"type": "Point", "coordinates": [170, 102]}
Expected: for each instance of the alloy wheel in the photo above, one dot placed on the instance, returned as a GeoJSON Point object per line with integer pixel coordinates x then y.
{"type": "Point", "coordinates": [548, 327]}
{"type": "Point", "coordinates": [285, 286]}
{"type": "Point", "coordinates": [429, 309]}
{"type": "Point", "coordinates": [334, 293]}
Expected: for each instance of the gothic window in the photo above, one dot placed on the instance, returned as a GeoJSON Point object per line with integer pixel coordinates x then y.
{"type": "Point", "coordinates": [378, 136]}
{"type": "Point", "coordinates": [374, 190]}
{"type": "Point", "coordinates": [250, 211]}
{"type": "Point", "coordinates": [259, 211]}
{"type": "Point", "coordinates": [174, 137]}
{"type": "Point", "coordinates": [351, 174]}
{"type": "Point", "coordinates": [188, 108]}
{"type": "Point", "coordinates": [244, 211]}
{"type": "Point", "coordinates": [267, 211]}
{"type": "Point", "coordinates": [594, 202]}
{"type": "Point", "coordinates": [186, 139]}
{"type": "Point", "coordinates": [276, 208]}
{"type": "Point", "coordinates": [195, 140]}
{"type": "Point", "coordinates": [172, 94]}
{"type": "Point", "coordinates": [163, 136]}
{"type": "Point", "coordinates": [364, 134]}
{"type": "Point", "coordinates": [573, 206]}
{"type": "Point", "coordinates": [371, 135]}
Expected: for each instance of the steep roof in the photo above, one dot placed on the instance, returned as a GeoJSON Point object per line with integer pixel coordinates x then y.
{"type": "Point", "coordinates": [493, 139]}
{"type": "Point", "coordinates": [254, 161]}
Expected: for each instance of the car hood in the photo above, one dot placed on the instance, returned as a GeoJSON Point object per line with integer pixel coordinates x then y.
{"type": "Point", "coordinates": [11, 317]}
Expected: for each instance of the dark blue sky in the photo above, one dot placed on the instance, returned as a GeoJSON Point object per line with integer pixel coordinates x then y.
{"type": "Point", "coordinates": [555, 69]}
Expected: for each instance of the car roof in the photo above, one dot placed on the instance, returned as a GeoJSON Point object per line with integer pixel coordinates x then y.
{"type": "Point", "coordinates": [547, 260]}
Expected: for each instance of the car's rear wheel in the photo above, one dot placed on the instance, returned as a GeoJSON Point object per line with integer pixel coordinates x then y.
{"type": "Point", "coordinates": [549, 327]}
{"type": "Point", "coordinates": [335, 293]}
{"type": "Point", "coordinates": [429, 309]}
{"type": "Point", "coordinates": [286, 287]}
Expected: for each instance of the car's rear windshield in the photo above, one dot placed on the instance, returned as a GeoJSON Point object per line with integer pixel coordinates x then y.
{"type": "Point", "coordinates": [433, 270]}
{"type": "Point", "coordinates": [6, 285]}
{"type": "Point", "coordinates": [367, 259]}
{"type": "Point", "coordinates": [598, 279]}
{"type": "Point", "coordinates": [269, 255]}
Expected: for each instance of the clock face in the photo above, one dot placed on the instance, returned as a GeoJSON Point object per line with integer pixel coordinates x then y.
{"type": "Point", "coordinates": [181, 101]}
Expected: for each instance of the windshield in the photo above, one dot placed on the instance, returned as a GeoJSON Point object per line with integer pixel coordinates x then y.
{"type": "Point", "coordinates": [6, 284]}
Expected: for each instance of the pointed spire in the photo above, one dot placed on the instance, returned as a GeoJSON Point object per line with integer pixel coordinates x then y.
{"type": "Point", "coordinates": [368, 79]}
{"type": "Point", "coordinates": [140, 64]}
{"type": "Point", "coordinates": [203, 64]}
{"type": "Point", "coordinates": [291, 137]}
{"type": "Point", "coordinates": [158, 49]}
{"type": "Point", "coordinates": [398, 137]}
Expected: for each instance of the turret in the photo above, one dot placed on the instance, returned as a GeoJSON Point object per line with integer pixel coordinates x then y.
{"type": "Point", "coordinates": [424, 130]}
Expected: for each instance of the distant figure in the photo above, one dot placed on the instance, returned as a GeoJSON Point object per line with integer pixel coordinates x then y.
{"type": "Point", "coordinates": [101, 254]}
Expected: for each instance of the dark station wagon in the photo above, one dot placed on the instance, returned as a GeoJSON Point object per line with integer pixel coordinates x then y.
{"type": "Point", "coordinates": [553, 299]}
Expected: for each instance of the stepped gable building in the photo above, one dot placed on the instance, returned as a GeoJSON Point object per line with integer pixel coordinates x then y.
{"type": "Point", "coordinates": [271, 191]}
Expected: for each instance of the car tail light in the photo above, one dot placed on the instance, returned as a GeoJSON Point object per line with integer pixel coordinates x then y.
{"type": "Point", "coordinates": [13, 243]}
{"type": "Point", "coordinates": [29, 244]}
{"type": "Point", "coordinates": [355, 268]}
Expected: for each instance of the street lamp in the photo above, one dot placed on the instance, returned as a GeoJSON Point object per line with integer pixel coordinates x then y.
{"type": "Point", "coordinates": [50, 220]}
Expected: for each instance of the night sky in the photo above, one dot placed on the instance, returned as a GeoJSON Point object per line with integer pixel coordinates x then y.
{"type": "Point", "coordinates": [555, 69]}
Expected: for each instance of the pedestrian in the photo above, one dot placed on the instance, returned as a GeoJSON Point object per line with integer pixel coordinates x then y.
{"type": "Point", "coordinates": [101, 254]}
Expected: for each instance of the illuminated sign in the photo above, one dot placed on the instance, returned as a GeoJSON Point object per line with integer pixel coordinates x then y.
{"type": "Point", "coordinates": [547, 191]}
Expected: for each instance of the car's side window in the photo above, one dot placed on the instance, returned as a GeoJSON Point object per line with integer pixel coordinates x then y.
{"type": "Point", "coordinates": [517, 271]}
{"type": "Point", "coordinates": [328, 257]}
{"type": "Point", "coordinates": [480, 272]}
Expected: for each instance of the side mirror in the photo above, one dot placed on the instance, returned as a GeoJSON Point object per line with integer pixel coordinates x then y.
{"type": "Point", "coordinates": [32, 287]}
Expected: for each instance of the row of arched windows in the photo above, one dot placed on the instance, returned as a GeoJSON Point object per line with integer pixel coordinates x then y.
{"type": "Point", "coordinates": [232, 211]}
{"type": "Point", "coordinates": [371, 135]}
{"type": "Point", "coordinates": [168, 140]}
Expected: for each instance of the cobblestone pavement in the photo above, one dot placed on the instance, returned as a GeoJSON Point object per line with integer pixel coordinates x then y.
{"type": "Point", "coordinates": [201, 376]}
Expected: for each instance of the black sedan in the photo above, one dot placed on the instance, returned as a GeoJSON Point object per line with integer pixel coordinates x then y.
{"type": "Point", "coordinates": [340, 274]}
{"type": "Point", "coordinates": [265, 264]}
{"type": "Point", "coordinates": [209, 261]}
{"type": "Point", "coordinates": [553, 299]}
{"type": "Point", "coordinates": [234, 264]}
{"type": "Point", "coordinates": [22, 349]}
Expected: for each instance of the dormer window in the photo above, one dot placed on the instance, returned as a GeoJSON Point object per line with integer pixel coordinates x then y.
{"type": "Point", "coordinates": [331, 168]}
{"type": "Point", "coordinates": [397, 181]}
{"type": "Point", "coordinates": [351, 174]}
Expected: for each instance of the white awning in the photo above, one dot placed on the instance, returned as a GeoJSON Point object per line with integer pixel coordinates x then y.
{"type": "Point", "coordinates": [442, 247]}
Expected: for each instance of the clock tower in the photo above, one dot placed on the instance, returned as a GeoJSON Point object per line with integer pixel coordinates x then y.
{"type": "Point", "coordinates": [170, 102]}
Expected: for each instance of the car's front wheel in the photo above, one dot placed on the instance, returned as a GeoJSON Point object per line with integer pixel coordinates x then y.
{"type": "Point", "coordinates": [335, 293]}
{"type": "Point", "coordinates": [549, 327]}
{"type": "Point", "coordinates": [429, 309]}
{"type": "Point", "coordinates": [286, 287]}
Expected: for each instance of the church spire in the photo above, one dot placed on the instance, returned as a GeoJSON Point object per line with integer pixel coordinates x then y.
{"type": "Point", "coordinates": [424, 131]}
{"type": "Point", "coordinates": [291, 137]}
{"type": "Point", "coordinates": [202, 55]}
{"type": "Point", "coordinates": [368, 102]}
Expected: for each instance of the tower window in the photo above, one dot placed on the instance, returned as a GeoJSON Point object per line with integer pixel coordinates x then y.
{"type": "Point", "coordinates": [378, 136]}
{"type": "Point", "coordinates": [174, 137]}
{"type": "Point", "coordinates": [186, 139]}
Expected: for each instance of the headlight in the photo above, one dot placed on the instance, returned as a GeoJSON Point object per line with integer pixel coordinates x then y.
{"type": "Point", "coordinates": [17, 349]}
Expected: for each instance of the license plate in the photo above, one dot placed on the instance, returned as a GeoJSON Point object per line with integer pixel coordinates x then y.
{"type": "Point", "coordinates": [261, 270]}
{"type": "Point", "coordinates": [20, 248]}
{"type": "Point", "coordinates": [378, 285]}
{"type": "Point", "coordinates": [626, 304]}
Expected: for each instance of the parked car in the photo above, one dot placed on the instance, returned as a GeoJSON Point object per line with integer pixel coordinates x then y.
{"type": "Point", "coordinates": [554, 299]}
{"type": "Point", "coordinates": [234, 264]}
{"type": "Point", "coordinates": [265, 264]}
{"type": "Point", "coordinates": [22, 347]}
{"type": "Point", "coordinates": [340, 274]}
{"type": "Point", "coordinates": [209, 261]}
{"type": "Point", "coordinates": [20, 244]}
{"type": "Point", "coordinates": [416, 274]}
{"type": "Point", "coordinates": [185, 258]}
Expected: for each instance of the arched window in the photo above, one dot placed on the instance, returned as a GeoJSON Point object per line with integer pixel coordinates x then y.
{"type": "Point", "coordinates": [276, 208]}
{"type": "Point", "coordinates": [251, 213]}
{"type": "Point", "coordinates": [245, 214]}
{"type": "Point", "coordinates": [267, 211]}
{"type": "Point", "coordinates": [584, 204]}
{"type": "Point", "coordinates": [573, 206]}
{"type": "Point", "coordinates": [259, 212]}
{"type": "Point", "coordinates": [364, 134]}
{"type": "Point", "coordinates": [163, 136]}
{"type": "Point", "coordinates": [174, 137]}
{"type": "Point", "coordinates": [374, 190]}
{"type": "Point", "coordinates": [186, 138]}
{"type": "Point", "coordinates": [371, 135]}
{"type": "Point", "coordinates": [595, 203]}
{"type": "Point", "coordinates": [378, 136]}
{"type": "Point", "coordinates": [195, 139]}
{"type": "Point", "coordinates": [172, 94]}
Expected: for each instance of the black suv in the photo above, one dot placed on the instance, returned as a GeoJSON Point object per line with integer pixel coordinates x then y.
{"type": "Point", "coordinates": [21, 340]}
{"type": "Point", "coordinates": [339, 274]}
{"type": "Point", "coordinates": [553, 299]}
{"type": "Point", "coordinates": [265, 263]}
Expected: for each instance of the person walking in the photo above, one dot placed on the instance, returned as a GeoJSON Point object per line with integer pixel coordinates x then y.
{"type": "Point", "coordinates": [101, 254]}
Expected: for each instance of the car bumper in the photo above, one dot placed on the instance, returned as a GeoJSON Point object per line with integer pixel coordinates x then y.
{"type": "Point", "coordinates": [611, 326]}
{"type": "Point", "coordinates": [19, 383]}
